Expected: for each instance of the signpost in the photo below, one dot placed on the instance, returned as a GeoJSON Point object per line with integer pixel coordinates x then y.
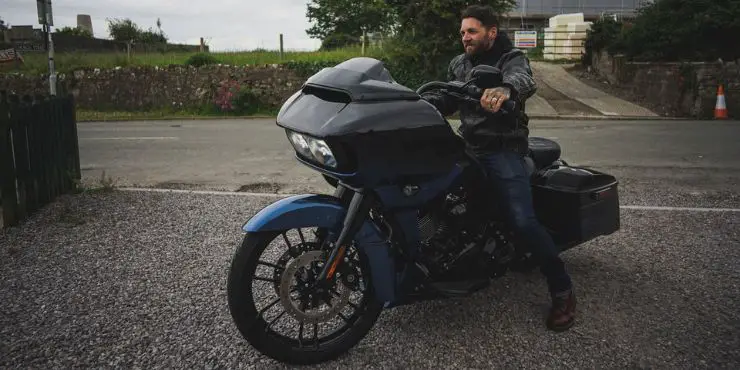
{"type": "Point", "coordinates": [46, 19]}
{"type": "Point", "coordinates": [525, 39]}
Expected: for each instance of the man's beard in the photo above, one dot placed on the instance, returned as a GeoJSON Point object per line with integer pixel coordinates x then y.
{"type": "Point", "coordinates": [477, 47]}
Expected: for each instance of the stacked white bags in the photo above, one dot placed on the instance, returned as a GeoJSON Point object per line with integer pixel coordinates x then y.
{"type": "Point", "coordinates": [566, 36]}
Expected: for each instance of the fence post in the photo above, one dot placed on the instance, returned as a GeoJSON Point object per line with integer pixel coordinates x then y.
{"type": "Point", "coordinates": [364, 40]}
{"type": "Point", "coordinates": [40, 129]}
{"type": "Point", "coordinates": [56, 159]}
{"type": "Point", "coordinates": [282, 52]}
{"type": "Point", "coordinates": [20, 149]}
{"type": "Point", "coordinates": [7, 168]}
{"type": "Point", "coordinates": [34, 156]}
{"type": "Point", "coordinates": [74, 140]}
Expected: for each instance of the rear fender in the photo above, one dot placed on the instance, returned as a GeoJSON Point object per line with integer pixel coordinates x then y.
{"type": "Point", "coordinates": [315, 210]}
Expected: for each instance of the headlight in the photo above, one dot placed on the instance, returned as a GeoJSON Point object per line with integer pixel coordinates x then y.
{"type": "Point", "coordinates": [312, 148]}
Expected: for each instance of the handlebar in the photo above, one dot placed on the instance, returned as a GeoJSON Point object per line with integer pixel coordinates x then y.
{"type": "Point", "coordinates": [468, 93]}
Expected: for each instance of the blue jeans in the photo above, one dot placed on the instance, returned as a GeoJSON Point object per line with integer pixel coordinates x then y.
{"type": "Point", "coordinates": [506, 169]}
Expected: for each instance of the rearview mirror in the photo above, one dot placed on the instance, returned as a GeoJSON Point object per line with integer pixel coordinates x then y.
{"type": "Point", "coordinates": [486, 76]}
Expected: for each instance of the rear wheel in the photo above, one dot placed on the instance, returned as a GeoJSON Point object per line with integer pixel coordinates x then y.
{"type": "Point", "coordinates": [280, 314]}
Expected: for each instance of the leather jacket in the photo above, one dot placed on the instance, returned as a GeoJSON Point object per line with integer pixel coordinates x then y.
{"type": "Point", "coordinates": [484, 131]}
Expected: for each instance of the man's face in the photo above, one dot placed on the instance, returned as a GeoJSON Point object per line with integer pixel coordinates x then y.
{"type": "Point", "coordinates": [475, 37]}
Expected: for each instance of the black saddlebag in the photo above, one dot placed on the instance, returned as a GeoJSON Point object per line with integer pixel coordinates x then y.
{"type": "Point", "coordinates": [576, 204]}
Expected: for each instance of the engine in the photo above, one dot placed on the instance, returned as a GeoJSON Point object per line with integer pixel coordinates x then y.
{"type": "Point", "coordinates": [452, 236]}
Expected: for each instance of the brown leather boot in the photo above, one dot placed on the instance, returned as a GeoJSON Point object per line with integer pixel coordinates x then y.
{"type": "Point", "coordinates": [563, 311]}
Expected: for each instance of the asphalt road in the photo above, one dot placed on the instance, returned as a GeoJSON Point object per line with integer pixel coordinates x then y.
{"type": "Point", "coordinates": [677, 163]}
{"type": "Point", "coordinates": [137, 279]}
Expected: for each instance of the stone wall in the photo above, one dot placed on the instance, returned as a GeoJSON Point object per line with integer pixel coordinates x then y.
{"type": "Point", "coordinates": [152, 88]}
{"type": "Point", "coordinates": [680, 89]}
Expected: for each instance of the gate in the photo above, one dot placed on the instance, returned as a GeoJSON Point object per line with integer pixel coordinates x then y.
{"type": "Point", "coordinates": [39, 153]}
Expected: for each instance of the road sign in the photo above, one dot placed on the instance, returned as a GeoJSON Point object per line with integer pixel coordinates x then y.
{"type": "Point", "coordinates": [525, 39]}
{"type": "Point", "coordinates": [43, 7]}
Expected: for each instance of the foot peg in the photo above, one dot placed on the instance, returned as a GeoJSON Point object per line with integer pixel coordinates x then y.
{"type": "Point", "coordinates": [459, 288]}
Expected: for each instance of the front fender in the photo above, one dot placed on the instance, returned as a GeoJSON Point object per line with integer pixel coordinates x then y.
{"type": "Point", "coordinates": [308, 210]}
{"type": "Point", "coordinates": [316, 210]}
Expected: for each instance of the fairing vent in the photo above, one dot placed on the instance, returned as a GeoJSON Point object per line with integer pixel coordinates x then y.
{"type": "Point", "coordinates": [327, 94]}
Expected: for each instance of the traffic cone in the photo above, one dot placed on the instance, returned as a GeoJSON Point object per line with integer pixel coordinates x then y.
{"type": "Point", "coordinates": [720, 109]}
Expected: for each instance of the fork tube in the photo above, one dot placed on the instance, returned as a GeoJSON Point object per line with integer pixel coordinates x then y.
{"type": "Point", "coordinates": [356, 215]}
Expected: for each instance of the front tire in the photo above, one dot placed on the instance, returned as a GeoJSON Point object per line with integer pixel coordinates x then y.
{"type": "Point", "coordinates": [298, 261]}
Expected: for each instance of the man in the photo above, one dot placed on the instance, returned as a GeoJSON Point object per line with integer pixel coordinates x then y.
{"type": "Point", "coordinates": [500, 143]}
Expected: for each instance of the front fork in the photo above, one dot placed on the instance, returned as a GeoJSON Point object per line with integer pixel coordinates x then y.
{"type": "Point", "coordinates": [359, 208]}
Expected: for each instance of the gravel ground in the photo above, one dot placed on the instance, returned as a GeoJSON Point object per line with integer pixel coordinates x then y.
{"type": "Point", "coordinates": [125, 279]}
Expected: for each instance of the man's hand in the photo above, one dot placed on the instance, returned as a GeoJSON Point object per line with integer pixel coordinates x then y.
{"type": "Point", "coordinates": [492, 99]}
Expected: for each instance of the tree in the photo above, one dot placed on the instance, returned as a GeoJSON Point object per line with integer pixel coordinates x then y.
{"type": "Point", "coordinates": [3, 25]}
{"type": "Point", "coordinates": [123, 29]}
{"type": "Point", "coordinates": [126, 30]}
{"type": "Point", "coordinates": [347, 17]}
{"type": "Point", "coordinates": [427, 35]}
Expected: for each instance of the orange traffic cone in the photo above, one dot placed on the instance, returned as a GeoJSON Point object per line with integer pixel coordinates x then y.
{"type": "Point", "coordinates": [720, 109]}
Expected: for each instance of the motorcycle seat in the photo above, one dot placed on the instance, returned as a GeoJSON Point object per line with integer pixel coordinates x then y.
{"type": "Point", "coordinates": [543, 151]}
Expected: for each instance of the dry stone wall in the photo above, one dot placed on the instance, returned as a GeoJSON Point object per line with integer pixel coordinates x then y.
{"type": "Point", "coordinates": [679, 89]}
{"type": "Point", "coordinates": [143, 88]}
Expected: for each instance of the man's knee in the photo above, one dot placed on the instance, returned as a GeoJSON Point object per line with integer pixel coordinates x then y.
{"type": "Point", "coordinates": [522, 216]}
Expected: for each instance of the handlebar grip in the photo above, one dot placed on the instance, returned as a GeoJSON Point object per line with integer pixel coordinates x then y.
{"type": "Point", "coordinates": [509, 106]}
{"type": "Point", "coordinates": [475, 91]}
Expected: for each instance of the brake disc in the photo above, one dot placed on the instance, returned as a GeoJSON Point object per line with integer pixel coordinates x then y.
{"type": "Point", "coordinates": [305, 264]}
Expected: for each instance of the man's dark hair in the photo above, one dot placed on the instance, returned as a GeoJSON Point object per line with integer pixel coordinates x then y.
{"type": "Point", "coordinates": [483, 13]}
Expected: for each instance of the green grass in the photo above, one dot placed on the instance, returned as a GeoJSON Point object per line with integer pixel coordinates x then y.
{"type": "Point", "coordinates": [37, 63]}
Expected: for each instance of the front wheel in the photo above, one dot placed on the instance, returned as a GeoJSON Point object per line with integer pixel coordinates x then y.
{"type": "Point", "coordinates": [295, 323]}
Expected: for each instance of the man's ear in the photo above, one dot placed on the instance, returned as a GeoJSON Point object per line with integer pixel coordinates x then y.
{"type": "Point", "coordinates": [492, 32]}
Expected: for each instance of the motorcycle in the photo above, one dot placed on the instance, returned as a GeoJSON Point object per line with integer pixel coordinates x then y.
{"type": "Point", "coordinates": [412, 217]}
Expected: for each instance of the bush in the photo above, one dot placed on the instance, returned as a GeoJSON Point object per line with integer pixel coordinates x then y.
{"type": "Point", "coordinates": [246, 101]}
{"type": "Point", "coordinates": [338, 41]}
{"type": "Point", "coordinates": [234, 98]}
{"type": "Point", "coordinates": [676, 30]}
{"type": "Point", "coordinates": [603, 34]}
{"type": "Point", "coordinates": [201, 59]}
{"type": "Point", "coordinates": [685, 30]}
{"type": "Point", "coordinates": [409, 66]}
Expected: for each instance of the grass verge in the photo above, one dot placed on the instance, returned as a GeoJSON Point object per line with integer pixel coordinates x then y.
{"type": "Point", "coordinates": [37, 63]}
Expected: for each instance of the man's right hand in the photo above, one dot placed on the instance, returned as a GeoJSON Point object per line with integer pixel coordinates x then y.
{"type": "Point", "coordinates": [493, 99]}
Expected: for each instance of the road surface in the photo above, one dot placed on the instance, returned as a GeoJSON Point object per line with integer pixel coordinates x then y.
{"type": "Point", "coordinates": [682, 163]}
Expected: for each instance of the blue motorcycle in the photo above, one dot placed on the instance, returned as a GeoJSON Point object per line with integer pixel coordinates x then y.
{"type": "Point", "coordinates": [412, 217]}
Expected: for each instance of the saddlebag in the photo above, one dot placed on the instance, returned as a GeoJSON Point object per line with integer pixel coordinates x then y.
{"type": "Point", "coordinates": [576, 204]}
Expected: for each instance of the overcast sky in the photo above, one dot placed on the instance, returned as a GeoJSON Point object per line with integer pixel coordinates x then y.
{"type": "Point", "coordinates": [225, 24]}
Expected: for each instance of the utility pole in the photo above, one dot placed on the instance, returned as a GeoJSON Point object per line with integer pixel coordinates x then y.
{"type": "Point", "coordinates": [46, 19]}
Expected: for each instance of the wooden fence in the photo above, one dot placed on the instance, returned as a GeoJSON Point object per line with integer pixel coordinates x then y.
{"type": "Point", "coordinates": [39, 153]}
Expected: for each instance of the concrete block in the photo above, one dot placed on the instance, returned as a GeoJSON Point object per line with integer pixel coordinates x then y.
{"type": "Point", "coordinates": [564, 19]}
